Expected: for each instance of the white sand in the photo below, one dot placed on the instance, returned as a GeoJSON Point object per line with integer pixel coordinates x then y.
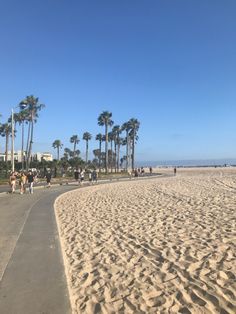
{"type": "Point", "coordinates": [164, 245]}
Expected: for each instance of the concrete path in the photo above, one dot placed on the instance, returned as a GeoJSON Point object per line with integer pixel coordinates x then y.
{"type": "Point", "coordinates": [32, 278]}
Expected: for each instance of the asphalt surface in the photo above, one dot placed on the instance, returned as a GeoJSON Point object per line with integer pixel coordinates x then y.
{"type": "Point", "coordinates": [32, 278]}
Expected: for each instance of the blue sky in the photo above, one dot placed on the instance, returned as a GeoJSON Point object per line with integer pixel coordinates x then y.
{"type": "Point", "coordinates": [170, 64]}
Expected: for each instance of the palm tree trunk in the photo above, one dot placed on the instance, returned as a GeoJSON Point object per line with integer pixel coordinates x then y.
{"type": "Point", "coordinates": [118, 157]}
{"type": "Point", "coordinates": [111, 156]}
{"type": "Point", "coordinates": [6, 153]}
{"type": "Point", "coordinates": [58, 153]}
{"type": "Point", "coordinates": [106, 148]}
{"type": "Point", "coordinates": [27, 145]}
{"type": "Point", "coordinates": [22, 145]}
{"type": "Point", "coordinates": [31, 140]}
{"type": "Point", "coordinates": [74, 148]}
{"type": "Point", "coordinates": [86, 152]}
{"type": "Point", "coordinates": [115, 157]}
{"type": "Point", "coordinates": [127, 150]}
{"type": "Point", "coordinates": [100, 152]}
{"type": "Point", "coordinates": [133, 142]}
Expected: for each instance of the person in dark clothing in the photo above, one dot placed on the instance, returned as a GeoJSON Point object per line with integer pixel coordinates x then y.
{"type": "Point", "coordinates": [48, 179]}
{"type": "Point", "coordinates": [94, 176]}
{"type": "Point", "coordinates": [30, 180]}
{"type": "Point", "coordinates": [76, 175]}
{"type": "Point", "coordinates": [175, 170]}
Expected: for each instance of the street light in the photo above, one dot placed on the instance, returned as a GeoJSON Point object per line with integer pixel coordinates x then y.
{"type": "Point", "coordinates": [22, 106]}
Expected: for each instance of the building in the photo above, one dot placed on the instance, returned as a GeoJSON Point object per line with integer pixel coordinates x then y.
{"type": "Point", "coordinates": [35, 156]}
{"type": "Point", "coordinates": [43, 156]}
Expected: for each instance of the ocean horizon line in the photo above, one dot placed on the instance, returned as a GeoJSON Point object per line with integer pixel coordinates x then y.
{"type": "Point", "coordinates": [188, 163]}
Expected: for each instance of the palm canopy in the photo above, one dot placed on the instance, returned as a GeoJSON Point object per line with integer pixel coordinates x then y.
{"type": "Point", "coordinates": [5, 129]}
{"type": "Point", "coordinates": [105, 119]}
{"type": "Point", "coordinates": [57, 144]}
{"type": "Point", "coordinates": [87, 136]}
{"type": "Point", "coordinates": [31, 104]}
{"type": "Point", "coordinates": [99, 137]}
{"type": "Point", "coordinates": [134, 125]}
{"type": "Point", "coordinates": [74, 139]}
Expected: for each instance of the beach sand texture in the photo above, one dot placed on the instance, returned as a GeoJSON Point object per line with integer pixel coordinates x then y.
{"type": "Point", "coordinates": [163, 245]}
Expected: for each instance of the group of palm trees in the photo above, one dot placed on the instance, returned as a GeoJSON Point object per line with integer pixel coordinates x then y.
{"type": "Point", "coordinates": [28, 114]}
{"type": "Point", "coordinates": [109, 158]}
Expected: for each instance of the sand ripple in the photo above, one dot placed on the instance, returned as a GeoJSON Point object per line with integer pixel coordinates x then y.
{"type": "Point", "coordinates": [165, 245]}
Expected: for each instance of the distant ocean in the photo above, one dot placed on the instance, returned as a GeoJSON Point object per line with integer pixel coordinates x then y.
{"type": "Point", "coordinates": [187, 163]}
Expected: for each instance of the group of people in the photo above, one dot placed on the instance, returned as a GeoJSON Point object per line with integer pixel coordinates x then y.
{"type": "Point", "coordinates": [79, 176]}
{"type": "Point", "coordinates": [23, 179]}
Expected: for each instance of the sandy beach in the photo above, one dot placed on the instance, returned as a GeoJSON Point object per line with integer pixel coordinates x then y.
{"type": "Point", "coordinates": [162, 245]}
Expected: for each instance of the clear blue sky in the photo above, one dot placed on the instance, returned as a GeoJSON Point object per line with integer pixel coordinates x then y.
{"type": "Point", "coordinates": [171, 64]}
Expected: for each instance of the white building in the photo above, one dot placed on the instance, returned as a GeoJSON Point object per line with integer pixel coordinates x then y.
{"type": "Point", "coordinates": [35, 156]}
{"type": "Point", "coordinates": [45, 156]}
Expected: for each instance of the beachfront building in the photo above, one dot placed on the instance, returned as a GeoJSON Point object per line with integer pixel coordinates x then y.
{"type": "Point", "coordinates": [35, 156]}
{"type": "Point", "coordinates": [43, 156]}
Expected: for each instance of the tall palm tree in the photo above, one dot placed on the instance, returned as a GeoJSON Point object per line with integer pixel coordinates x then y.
{"type": "Point", "coordinates": [111, 139]}
{"type": "Point", "coordinates": [99, 138]}
{"type": "Point", "coordinates": [33, 107]}
{"type": "Point", "coordinates": [21, 118]}
{"type": "Point", "coordinates": [74, 140]}
{"type": "Point", "coordinates": [126, 128]}
{"type": "Point", "coordinates": [116, 131]}
{"type": "Point", "coordinates": [134, 127]}
{"type": "Point", "coordinates": [5, 131]}
{"type": "Point", "coordinates": [57, 144]}
{"type": "Point", "coordinates": [104, 119]}
{"type": "Point", "coordinates": [87, 137]}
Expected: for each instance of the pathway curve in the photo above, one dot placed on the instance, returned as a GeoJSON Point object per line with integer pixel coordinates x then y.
{"type": "Point", "coordinates": [32, 276]}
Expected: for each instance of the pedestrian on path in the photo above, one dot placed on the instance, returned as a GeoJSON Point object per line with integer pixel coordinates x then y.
{"type": "Point", "coordinates": [22, 182]}
{"type": "Point", "coordinates": [30, 179]}
{"type": "Point", "coordinates": [48, 179]}
{"type": "Point", "coordinates": [12, 182]}
{"type": "Point", "coordinates": [175, 170]}
{"type": "Point", "coordinates": [94, 176]}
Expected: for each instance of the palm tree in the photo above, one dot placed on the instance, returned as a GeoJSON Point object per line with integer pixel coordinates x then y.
{"type": "Point", "coordinates": [99, 138]}
{"type": "Point", "coordinates": [21, 118]}
{"type": "Point", "coordinates": [74, 139]}
{"type": "Point", "coordinates": [33, 107]}
{"type": "Point", "coordinates": [112, 138]}
{"type": "Point", "coordinates": [87, 137]}
{"type": "Point", "coordinates": [67, 152]}
{"type": "Point", "coordinates": [116, 131]}
{"type": "Point", "coordinates": [105, 120]}
{"type": "Point", "coordinates": [126, 128]}
{"type": "Point", "coordinates": [134, 127]}
{"type": "Point", "coordinates": [57, 144]}
{"type": "Point", "coordinates": [77, 153]}
{"type": "Point", "coordinates": [5, 131]}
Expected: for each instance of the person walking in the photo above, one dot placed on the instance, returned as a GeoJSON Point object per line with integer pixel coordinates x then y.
{"type": "Point", "coordinates": [175, 170]}
{"type": "Point", "coordinates": [76, 175]}
{"type": "Point", "coordinates": [12, 182]}
{"type": "Point", "coordinates": [90, 176]}
{"type": "Point", "coordinates": [22, 182]}
{"type": "Point", "coordinates": [81, 176]}
{"type": "Point", "coordinates": [48, 179]}
{"type": "Point", "coordinates": [95, 176]}
{"type": "Point", "coordinates": [30, 180]}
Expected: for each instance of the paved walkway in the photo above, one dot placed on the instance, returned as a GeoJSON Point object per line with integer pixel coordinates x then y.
{"type": "Point", "coordinates": [32, 278]}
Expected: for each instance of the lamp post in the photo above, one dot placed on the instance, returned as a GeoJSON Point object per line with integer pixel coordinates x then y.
{"type": "Point", "coordinates": [22, 106]}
